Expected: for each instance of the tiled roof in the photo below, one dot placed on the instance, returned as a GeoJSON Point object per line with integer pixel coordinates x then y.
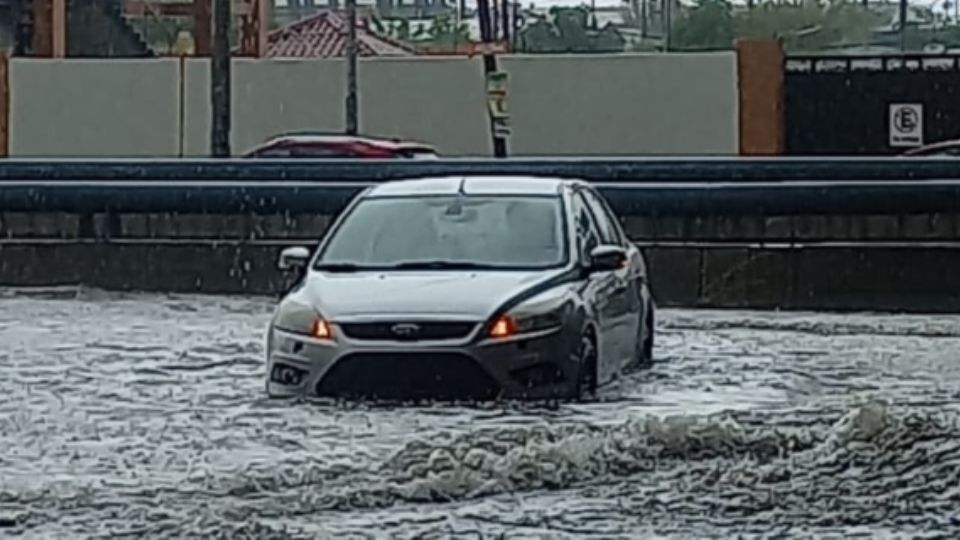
{"type": "Point", "coordinates": [324, 35]}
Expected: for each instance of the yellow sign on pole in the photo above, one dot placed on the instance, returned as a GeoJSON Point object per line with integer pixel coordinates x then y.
{"type": "Point", "coordinates": [497, 103]}
{"type": "Point", "coordinates": [184, 46]}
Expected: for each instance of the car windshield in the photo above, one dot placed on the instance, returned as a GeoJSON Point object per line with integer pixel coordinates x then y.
{"type": "Point", "coordinates": [513, 232]}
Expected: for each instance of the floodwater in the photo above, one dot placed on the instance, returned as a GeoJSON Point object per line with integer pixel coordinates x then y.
{"type": "Point", "coordinates": [142, 416]}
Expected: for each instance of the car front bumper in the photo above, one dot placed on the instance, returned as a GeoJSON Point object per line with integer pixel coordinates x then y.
{"type": "Point", "coordinates": [536, 366]}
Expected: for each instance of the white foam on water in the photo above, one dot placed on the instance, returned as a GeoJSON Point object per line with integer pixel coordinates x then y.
{"type": "Point", "coordinates": [142, 415]}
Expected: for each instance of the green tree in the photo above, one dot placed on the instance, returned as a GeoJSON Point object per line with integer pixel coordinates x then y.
{"type": "Point", "coordinates": [441, 31]}
{"type": "Point", "coordinates": [809, 26]}
{"type": "Point", "coordinates": [569, 30]}
{"type": "Point", "coordinates": [445, 32]}
{"type": "Point", "coordinates": [708, 25]}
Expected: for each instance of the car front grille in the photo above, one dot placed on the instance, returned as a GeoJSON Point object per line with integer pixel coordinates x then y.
{"type": "Point", "coordinates": [408, 330]}
{"type": "Point", "coordinates": [408, 376]}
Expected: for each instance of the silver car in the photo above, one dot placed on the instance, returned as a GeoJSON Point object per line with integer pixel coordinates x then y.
{"type": "Point", "coordinates": [463, 288]}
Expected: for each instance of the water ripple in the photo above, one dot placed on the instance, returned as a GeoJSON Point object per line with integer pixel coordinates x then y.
{"type": "Point", "coordinates": [127, 415]}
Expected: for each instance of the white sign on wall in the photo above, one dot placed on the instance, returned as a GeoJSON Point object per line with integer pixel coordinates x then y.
{"type": "Point", "coordinates": [906, 124]}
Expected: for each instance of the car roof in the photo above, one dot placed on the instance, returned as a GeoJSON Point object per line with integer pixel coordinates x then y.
{"type": "Point", "coordinates": [472, 185]}
{"type": "Point", "coordinates": [307, 137]}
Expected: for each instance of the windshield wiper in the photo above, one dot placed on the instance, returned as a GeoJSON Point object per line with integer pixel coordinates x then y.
{"type": "Point", "coordinates": [338, 267]}
{"type": "Point", "coordinates": [439, 264]}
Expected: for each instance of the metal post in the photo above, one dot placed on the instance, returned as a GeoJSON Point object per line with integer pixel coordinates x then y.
{"type": "Point", "coordinates": [667, 23]}
{"type": "Point", "coordinates": [220, 81]}
{"type": "Point", "coordinates": [490, 66]}
{"type": "Point", "coordinates": [505, 16]}
{"type": "Point", "coordinates": [643, 20]}
{"type": "Point", "coordinates": [903, 25]}
{"type": "Point", "coordinates": [514, 25]}
{"type": "Point", "coordinates": [352, 115]}
{"type": "Point", "coordinates": [181, 103]}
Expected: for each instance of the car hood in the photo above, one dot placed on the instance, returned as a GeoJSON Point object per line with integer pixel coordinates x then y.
{"type": "Point", "coordinates": [469, 295]}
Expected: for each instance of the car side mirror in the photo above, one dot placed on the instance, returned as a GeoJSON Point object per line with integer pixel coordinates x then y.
{"type": "Point", "coordinates": [293, 258]}
{"type": "Point", "coordinates": [607, 258]}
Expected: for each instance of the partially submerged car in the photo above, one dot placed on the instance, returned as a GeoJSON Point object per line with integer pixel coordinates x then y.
{"type": "Point", "coordinates": [474, 288]}
{"type": "Point", "coordinates": [336, 146]}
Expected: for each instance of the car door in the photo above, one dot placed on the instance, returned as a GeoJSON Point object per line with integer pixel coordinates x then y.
{"type": "Point", "coordinates": [624, 309]}
{"type": "Point", "coordinates": [599, 291]}
{"type": "Point", "coordinates": [638, 277]}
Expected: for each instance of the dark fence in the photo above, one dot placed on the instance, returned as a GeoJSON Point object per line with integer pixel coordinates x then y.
{"type": "Point", "coordinates": [841, 105]}
{"type": "Point", "coordinates": [879, 233]}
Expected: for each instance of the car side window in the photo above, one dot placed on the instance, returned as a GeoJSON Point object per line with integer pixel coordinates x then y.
{"type": "Point", "coordinates": [315, 151]}
{"type": "Point", "coordinates": [587, 237]}
{"type": "Point", "coordinates": [617, 224]}
{"type": "Point", "coordinates": [606, 224]}
{"type": "Point", "coordinates": [277, 151]}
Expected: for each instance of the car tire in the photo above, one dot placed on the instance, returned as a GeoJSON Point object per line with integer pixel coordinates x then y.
{"type": "Point", "coordinates": [586, 385]}
{"type": "Point", "coordinates": [649, 332]}
{"type": "Point", "coordinates": [644, 355]}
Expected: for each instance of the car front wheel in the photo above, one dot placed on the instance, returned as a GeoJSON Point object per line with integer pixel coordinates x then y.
{"type": "Point", "coordinates": [644, 355]}
{"type": "Point", "coordinates": [587, 357]}
{"type": "Point", "coordinates": [648, 335]}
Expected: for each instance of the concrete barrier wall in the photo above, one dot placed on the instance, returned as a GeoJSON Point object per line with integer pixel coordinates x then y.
{"type": "Point", "coordinates": [906, 263]}
{"type": "Point", "coordinates": [561, 105]}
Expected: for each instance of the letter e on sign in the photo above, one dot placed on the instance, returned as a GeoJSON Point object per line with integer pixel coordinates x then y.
{"type": "Point", "coordinates": [906, 124]}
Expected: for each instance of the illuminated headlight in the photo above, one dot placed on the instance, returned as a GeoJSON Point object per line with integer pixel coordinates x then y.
{"type": "Point", "coordinates": [298, 318]}
{"type": "Point", "coordinates": [528, 320]}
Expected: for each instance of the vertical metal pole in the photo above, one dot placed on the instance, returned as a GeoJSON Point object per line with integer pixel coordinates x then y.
{"type": "Point", "coordinates": [903, 25]}
{"type": "Point", "coordinates": [514, 25]}
{"type": "Point", "coordinates": [490, 66]}
{"type": "Point", "coordinates": [505, 16]}
{"type": "Point", "coordinates": [4, 104]}
{"type": "Point", "coordinates": [643, 20]}
{"type": "Point", "coordinates": [181, 104]}
{"type": "Point", "coordinates": [667, 23]}
{"type": "Point", "coordinates": [352, 114]}
{"type": "Point", "coordinates": [220, 81]}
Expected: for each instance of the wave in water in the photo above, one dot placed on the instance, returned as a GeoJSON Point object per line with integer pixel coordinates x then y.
{"type": "Point", "coordinates": [873, 465]}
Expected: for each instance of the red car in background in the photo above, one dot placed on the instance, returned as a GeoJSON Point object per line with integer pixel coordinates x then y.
{"type": "Point", "coordinates": [334, 146]}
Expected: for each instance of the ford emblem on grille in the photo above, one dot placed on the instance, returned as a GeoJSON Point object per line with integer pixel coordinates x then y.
{"type": "Point", "coordinates": [405, 329]}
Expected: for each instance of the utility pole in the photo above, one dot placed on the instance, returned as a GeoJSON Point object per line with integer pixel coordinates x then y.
{"type": "Point", "coordinates": [643, 20]}
{"type": "Point", "coordinates": [220, 81]}
{"type": "Point", "coordinates": [352, 115]}
{"type": "Point", "coordinates": [903, 25]}
{"type": "Point", "coordinates": [489, 67]}
{"type": "Point", "coordinates": [667, 23]}
{"type": "Point", "coordinates": [505, 16]}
